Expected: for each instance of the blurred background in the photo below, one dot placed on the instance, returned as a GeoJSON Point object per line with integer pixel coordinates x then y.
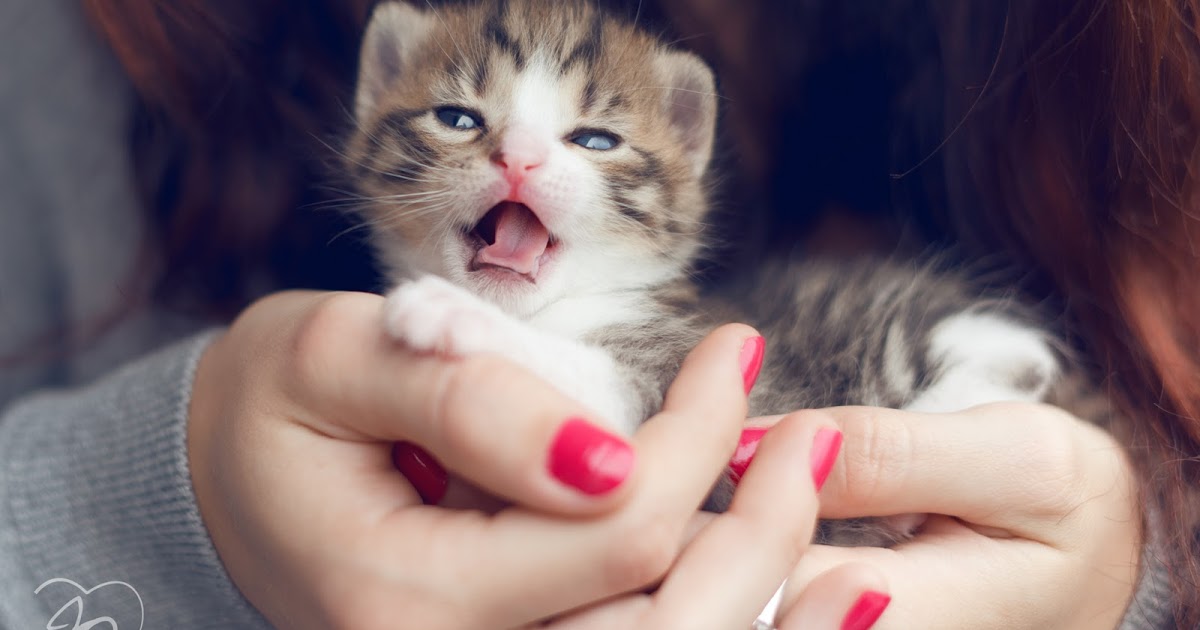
{"type": "Point", "coordinates": [887, 126]}
{"type": "Point", "coordinates": [834, 116]}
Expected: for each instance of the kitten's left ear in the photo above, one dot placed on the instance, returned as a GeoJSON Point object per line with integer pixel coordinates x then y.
{"type": "Point", "coordinates": [690, 101]}
{"type": "Point", "coordinates": [394, 35]}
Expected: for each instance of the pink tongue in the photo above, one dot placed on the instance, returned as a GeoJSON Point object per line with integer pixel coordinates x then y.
{"type": "Point", "coordinates": [520, 240]}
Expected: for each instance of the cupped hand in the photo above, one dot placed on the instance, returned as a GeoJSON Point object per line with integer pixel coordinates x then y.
{"type": "Point", "coordinates": [293, 414]}
{"type": "Point", "coordinates": [1036, 520]}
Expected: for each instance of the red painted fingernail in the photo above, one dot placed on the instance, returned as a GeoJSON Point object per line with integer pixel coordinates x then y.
{"type": "Point", "coordinates": [589, 459]}
{"type": "Point", "coordinates": [744, 454]}
{"type": "Point", "coordinates": [826, 445]}
{"type": "Point", "coordinates": [750, 359]}
{"type": "Point", "coordinates": [422, 470]}
{"type": "Point", "coordinates": [866, 611]}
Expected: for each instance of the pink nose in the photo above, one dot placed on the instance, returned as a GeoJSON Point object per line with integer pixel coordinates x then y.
{"type": "Point", "coordinates": [520, 153]}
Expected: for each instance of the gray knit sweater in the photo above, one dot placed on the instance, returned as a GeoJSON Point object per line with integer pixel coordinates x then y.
{"type": "Point", "coordinates": [94, 484]}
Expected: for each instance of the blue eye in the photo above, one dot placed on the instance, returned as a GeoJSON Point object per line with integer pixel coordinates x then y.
{"type": "Point", "coordinates": [458, 119]}
{"type": "Point", "coordinates": [596, 141]}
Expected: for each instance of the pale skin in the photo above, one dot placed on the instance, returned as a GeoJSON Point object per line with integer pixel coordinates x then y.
{"type": "Point", "coordinates": [1043, 528]}
{"type": "Point", "coordinates": [296, 406]}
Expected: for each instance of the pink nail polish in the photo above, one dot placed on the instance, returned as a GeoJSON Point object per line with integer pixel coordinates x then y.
{"type": "Point", "coordinates": [421, 469]}
{"type": "Point", "coordinates": [826, 444]}
{"type": "Point", "coordinates": [866, 611]}
{"type": "Point", "coordinates": [586, 458]}
{"type": "Point", "coordinates": [747, 445]}
{"type": "Point", "coordinates": [750, 359]}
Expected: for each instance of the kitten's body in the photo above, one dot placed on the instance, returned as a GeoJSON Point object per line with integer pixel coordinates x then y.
{"type": "Point", "coordinates": [556, 225]}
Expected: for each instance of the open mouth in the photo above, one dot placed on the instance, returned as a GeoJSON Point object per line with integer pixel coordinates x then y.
{"type": "Point", "coordinates": [510, 237]}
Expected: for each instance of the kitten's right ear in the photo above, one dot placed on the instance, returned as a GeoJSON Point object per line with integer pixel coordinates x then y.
{"type": "Point", "coordinates": [690, 102]}
{"type": "Point", "coordinates": [394, 35]}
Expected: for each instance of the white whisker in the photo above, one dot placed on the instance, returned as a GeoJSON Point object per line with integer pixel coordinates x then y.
{"type": "Point", "coordinates": [679, 89]}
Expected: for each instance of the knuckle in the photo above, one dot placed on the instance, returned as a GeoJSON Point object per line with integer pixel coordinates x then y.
{"type": "Point", "coordinates": [641, 555]}
{"type": "Point", "coordinates": [1053, 462]}
{"type": "Point", "coordinates": [454, 404]}
{"type": "Point", "coordinates": [871, 452]}
{"type": "Point", "coordinates": [323, 319]}
{"type": "Point", "coordinates": [317, 335]}
{"type": "Point", "coordinates": [796, 535]}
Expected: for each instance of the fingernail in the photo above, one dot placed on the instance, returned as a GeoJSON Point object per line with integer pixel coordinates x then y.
{"type": "Point", "coordinates": [826, 445]}
{"type": "Point", "coordinates": [866, 611]}
{"type": "Point", "coordinates": [422, 471]}
{"type": "Point", "coordinates": [750, 359]}
{"type": "Point", "coordinates": [589, 459]}
{"type": "Point", "coordinates": [744, 454]}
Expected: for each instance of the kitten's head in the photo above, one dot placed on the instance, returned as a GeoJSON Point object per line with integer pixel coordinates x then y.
{"type": "Point", "coordinates": [531, 149]}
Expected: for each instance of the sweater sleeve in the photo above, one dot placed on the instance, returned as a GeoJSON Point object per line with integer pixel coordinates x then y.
{"type": "Point", "coordinates": [95, 490]}
{"type": "Point", "coordinates": [1153, 605]}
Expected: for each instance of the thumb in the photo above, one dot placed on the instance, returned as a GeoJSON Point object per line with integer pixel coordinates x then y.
{"type": "Point", "coordinates": [1030, 458]}
{"type": "Point", "coordinates": [483, 418]}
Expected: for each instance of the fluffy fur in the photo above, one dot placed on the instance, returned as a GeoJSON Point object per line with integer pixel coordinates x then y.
{"type": "Point", "coordinates": [602, 134]}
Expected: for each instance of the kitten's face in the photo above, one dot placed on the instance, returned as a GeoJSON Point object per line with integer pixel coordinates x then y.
{"type": "Point", "coordinates": [532, 149]}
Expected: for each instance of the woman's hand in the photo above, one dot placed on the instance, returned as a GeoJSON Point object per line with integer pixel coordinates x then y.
{"type": "Point", "coordinates": [735, 560]}
{"type": "Point", "coordinates": [293, 414]}
{"type": "Point", "coordinates": [1039, 525]}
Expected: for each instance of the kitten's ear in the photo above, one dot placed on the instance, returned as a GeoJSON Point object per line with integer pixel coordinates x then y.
{"type": "Point", "coordinates": [690, 100]}
{"type": "Point", "coordinates": [394, 35]}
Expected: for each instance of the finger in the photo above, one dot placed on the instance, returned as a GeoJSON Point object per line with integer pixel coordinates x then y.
{"type": "Point", "coordinates": [624, 612]}
{"type": "Point", "coordinates": [847, 597]}
{"type": "Point", "coordinates": [692, 439]}
{"type": "Point", "coordinates": [953, 577]}
{"type": "Point", "coordinates": [1035, 460]}
{"type": "Point", "coordinates": [952, 581]}
{"type": "Point", "coordinates": [755, 544]}
{"type": "Point", "coordinates": [741, 557]}
{"type": "Point", "coordinates": [521, 565]}
{"type": "Point", "coordinates": [482, 418]}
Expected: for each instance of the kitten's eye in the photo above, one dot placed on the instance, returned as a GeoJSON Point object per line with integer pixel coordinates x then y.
{"type": "Point", "coordinates": [596, 141]}
{"type": "Point", "coordinates": [457, 118]}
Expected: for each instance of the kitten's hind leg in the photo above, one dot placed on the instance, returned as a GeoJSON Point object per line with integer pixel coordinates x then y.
{"type": "Point", "coordinates": [977, 358]}
{"type": "Point", "coordinates": [980, 357]}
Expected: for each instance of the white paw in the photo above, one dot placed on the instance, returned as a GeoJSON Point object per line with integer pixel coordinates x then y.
{"type": "Point", "coordinates": [432, 315]}
{"type": "Point", "coordinates": [986, 358]}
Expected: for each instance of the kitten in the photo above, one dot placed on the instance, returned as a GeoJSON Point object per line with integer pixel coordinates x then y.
{"type": "Point", "coordinates": [536, 177]}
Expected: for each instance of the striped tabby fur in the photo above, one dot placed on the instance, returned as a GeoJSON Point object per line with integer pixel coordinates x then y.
{"type": "Point", "coordinates": [611, 310]}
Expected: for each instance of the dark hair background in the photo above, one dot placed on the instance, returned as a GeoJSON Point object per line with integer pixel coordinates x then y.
{"type": "Point", "coordinates": [1060, 136]}
{"type": "Point", "coordinates": [243, 104]}
{"type": "Point", "coordinates": [238, 103]}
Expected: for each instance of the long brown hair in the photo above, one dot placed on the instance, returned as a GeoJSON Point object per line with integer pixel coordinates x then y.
{"type": "Point", "coordinates": [1061, 134]}
{"type": "Point", "coordinates": [237, 102]}
{"type": "Point", "coordinates": [1090, 166]}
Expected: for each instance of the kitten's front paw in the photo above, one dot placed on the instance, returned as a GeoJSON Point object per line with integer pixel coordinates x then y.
{"type": "Point", "coordinates": [431, 315]}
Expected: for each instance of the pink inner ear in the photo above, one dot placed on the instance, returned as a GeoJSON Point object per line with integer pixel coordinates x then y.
{"type": "Point", "coordinates": [688, 112]}
{"type": "Point", "coordinates": [690, 104]}
{"type": "Point", "coordinates": [520, 241]}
